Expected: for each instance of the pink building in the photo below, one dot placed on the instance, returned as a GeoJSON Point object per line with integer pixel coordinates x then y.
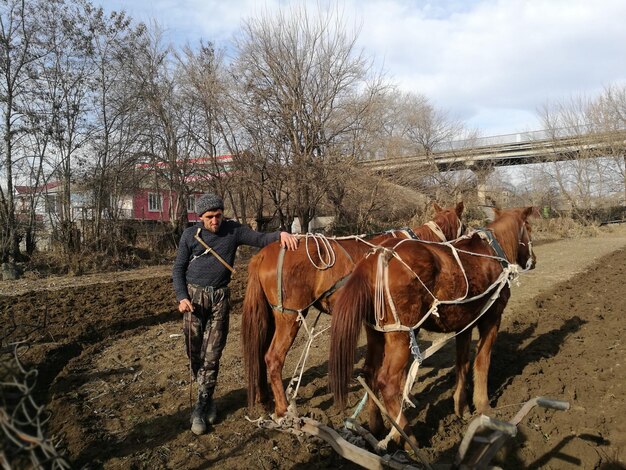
{"type": "Point", "coordinates": [153, 204]}
{"type": "Point", "coordinates": [150, 204]}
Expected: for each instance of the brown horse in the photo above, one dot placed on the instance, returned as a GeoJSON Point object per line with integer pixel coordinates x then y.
{"type": "Point", "coordinates": [283, 285]}
{"type": "Point", "coordinates": [442, 288]}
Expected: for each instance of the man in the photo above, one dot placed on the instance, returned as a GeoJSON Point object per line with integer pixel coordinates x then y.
{"type": "Point", "coordinates": [201, 274]}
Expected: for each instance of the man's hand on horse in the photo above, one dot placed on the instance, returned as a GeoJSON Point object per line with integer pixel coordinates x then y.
{"type": "Point", "coordinates": [185, 306]}
{"type": "Point", "coordinates": [288, 241]}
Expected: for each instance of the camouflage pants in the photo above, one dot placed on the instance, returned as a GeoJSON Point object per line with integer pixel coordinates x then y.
{"type": "Point", "coordinates": [206, 330]}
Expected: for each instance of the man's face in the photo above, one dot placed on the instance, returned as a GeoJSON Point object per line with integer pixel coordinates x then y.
{"type": "Point", "coordinates": [212, 220]}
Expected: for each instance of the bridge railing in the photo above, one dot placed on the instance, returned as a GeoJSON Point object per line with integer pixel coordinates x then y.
{"type": "Point", "coordinates": [497, 141]}
{"type": "Point", "coordinates": [516, 138]}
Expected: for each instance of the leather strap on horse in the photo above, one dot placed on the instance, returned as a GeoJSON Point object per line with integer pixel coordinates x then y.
{"type": "Point", "coordinates": [323, 295]}
{"type": "Point", "coordinates": [208, 249]}
{"type": "Point", "coordinates": [493, 243]}
{"type": "Point", "coordinates": [279, 278]}
{"type": "Point", "coordinates": [406, 231]}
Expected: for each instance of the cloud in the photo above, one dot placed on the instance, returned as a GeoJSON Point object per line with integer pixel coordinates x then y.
{"type": "Point", "coordinates": [499, 55]}
{"type": "Point", "coordinates": [490, 62]}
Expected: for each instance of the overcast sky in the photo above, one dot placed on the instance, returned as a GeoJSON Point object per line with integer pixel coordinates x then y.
{"type": "Point", "coordinates": [491, 63]}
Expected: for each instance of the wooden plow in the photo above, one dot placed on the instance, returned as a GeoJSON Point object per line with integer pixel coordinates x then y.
{"type": "Point", "coordinates": [482, 440]}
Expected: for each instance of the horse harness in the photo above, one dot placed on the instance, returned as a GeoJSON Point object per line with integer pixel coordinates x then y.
{"type": "Point", "coordinates": [332, 289]}
{"type": "Point", "coordinates": [323, 295]}
{"type": "Point", "coordinates": [489, 237]}
{"type": "Point", "coordinates": [509, 272]}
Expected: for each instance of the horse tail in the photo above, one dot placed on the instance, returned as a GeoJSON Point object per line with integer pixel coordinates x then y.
{"type": "Point", "coordinates": [255, 326]}
{"type": "Point", "coordinates": [354, 304]}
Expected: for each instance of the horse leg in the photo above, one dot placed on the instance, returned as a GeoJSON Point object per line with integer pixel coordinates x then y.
{"type": "Point", "coordinates": [391, 379]}
{"type": "Point", "coordinates": [373, 360]}
{"type": "Point", "coordinates": [285, 333]}
{"type": "Point", "coordinates": [488, 328]}
{"type": "Point", "coordinates": [463, 341]}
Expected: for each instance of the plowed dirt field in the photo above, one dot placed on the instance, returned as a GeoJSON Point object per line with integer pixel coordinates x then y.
{"type": "Point", "coordinates": [113, 373]}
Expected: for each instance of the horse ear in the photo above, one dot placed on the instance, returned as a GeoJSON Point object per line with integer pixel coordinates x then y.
{"type": "Point", "coordinates": [459, 209]}
{"type": "Point", "coordinates": [437, 207]}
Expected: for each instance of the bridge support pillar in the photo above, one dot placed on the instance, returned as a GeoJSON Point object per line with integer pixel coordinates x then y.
{"type": "Point", "coordinates": [482, 173]}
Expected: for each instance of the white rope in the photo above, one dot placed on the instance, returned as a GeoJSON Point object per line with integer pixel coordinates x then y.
{"type": "Point", "coordinates": [382, 284]}
{"type": "Point", "coordinates": [299, 369]}
{"type": "Point", "coordinates": [327, 258]}
{"type": "Point", "coordinates": [505, 278]}
{"type": "Point", "coordinates": [513, 271]}
{"type": "Point", "coordinates": [436, 230]}
{"type": "Point", "coordinates": [326, 253]}
{"type": "Point", "coordinates": [379, 298]}
{"type": "Point", "coordinates": [509, 274]}
{"type": "Point", "coordinates": [414, 368]}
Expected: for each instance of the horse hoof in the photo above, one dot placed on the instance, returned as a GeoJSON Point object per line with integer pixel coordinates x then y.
{"type": "Point", "coordinates": [462, 412]}
{"type": "Point", "coordinates": [292, 409]}
{"type": "Point", "coordinates": [198, 426]}
{"type": "Point", "coordinates": [485, 410]}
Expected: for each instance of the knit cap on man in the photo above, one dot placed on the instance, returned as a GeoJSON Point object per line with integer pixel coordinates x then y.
{"type": "Point", "coordinates": [209, 202]}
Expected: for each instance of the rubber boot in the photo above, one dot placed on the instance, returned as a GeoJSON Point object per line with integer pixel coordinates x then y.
{"type": "Point", "coordinates": [199, 414]}
{"type": "Point", "coordinates": [211, 416]}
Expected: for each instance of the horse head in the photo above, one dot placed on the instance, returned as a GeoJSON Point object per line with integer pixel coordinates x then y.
{"type": "Point", "coordinates": [525, 255]}
{"type": "Point", "coordinates": [521, 246]}
{"type": "Point", "coordinates": [449, 221]}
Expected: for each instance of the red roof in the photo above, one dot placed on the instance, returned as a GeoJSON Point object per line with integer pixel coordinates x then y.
{"type": "Point", "coordinates": [36, 189]}
{"type": "Point", "coordinates": [200, 161]}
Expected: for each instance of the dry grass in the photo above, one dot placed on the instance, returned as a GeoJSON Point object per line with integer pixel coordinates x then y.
{"type": "Point", "coordinates": [562, 227]}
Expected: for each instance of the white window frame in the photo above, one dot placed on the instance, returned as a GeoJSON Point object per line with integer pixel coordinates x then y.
{"type": "Point", "coordinates": [51, 204]}
{"type": "Point", "coordinates": [155, 202]}
{"type": "Point", "coordinates": [191, 203]}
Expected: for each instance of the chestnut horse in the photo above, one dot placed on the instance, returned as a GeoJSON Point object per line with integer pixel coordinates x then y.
{"type": "Point", "coordinates": [283, 285]}
{"type": "Point", "coordinates": [440, 287]}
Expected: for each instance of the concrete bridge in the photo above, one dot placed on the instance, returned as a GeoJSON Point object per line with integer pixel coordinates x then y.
{"type": "Point", "coordinates": [482, 155]}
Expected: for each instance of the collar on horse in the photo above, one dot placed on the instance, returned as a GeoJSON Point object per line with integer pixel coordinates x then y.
{"type": "Point", "coordinates": [437, 230]}
{"type": "Point", "coordinates": [408, 231]}
{"type": "Point", "coordinates": [487, 234]}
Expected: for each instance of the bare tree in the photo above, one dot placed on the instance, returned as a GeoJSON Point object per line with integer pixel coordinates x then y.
{"type": "Point", "coordinates": [205, 84]}
{"type": "Point", "coordinates": [607, 115]}
{"type": "Point", "coordinates": [22, 45]}
{"type": "Point", "coordinates": [165, 143]}
{"type": "Point", "coordinates": [592, 174]}
{"type": "Point", "coordinates": [410, 127]}
{"type": "Point", "coordinates": [428, 127]}
{"type": "Point", "coordinates": [66, 87]}
{"type": "Point", "coordinates": [302, 82]}
{"type": "Point", "coordinates": [116, 125]}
